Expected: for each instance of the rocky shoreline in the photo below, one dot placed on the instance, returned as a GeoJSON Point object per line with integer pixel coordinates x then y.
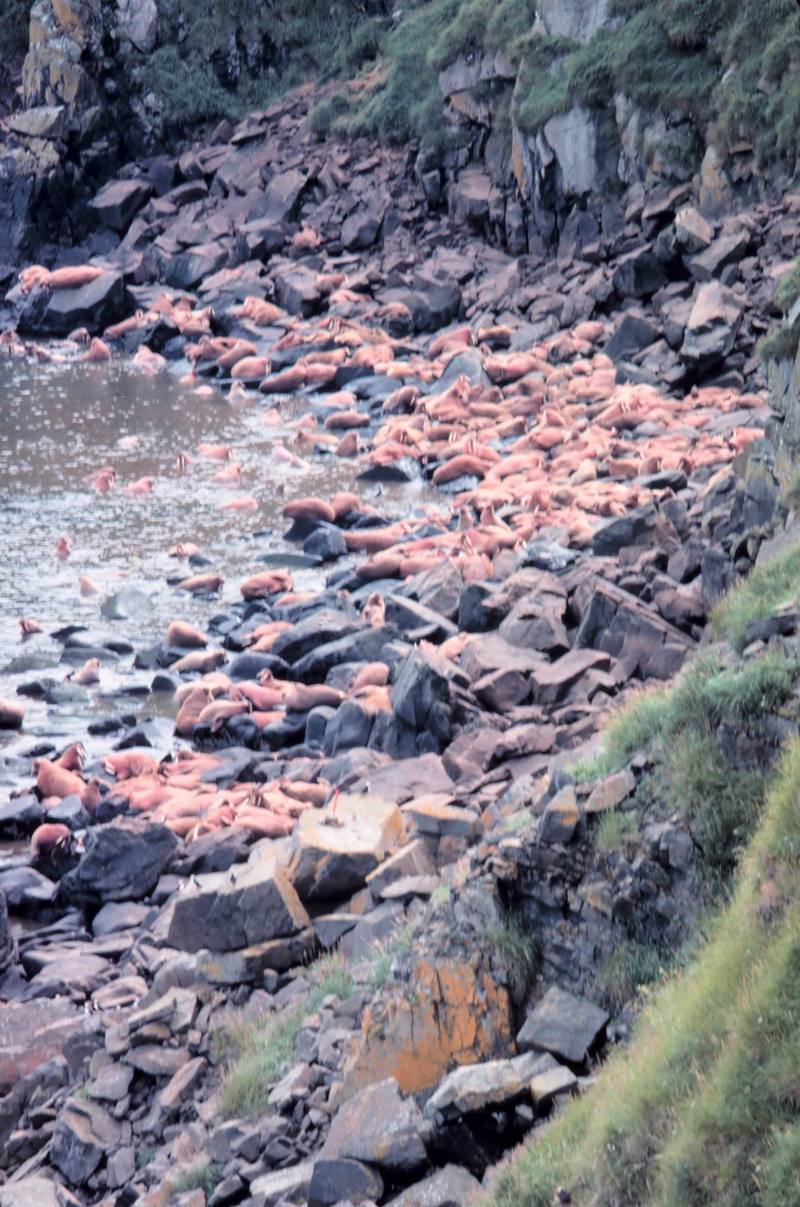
{"type": "Point", "coordinates": [366, 792]}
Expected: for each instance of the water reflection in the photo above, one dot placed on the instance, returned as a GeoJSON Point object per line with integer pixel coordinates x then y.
{"type": "Point", "coordinates": [59, 423]}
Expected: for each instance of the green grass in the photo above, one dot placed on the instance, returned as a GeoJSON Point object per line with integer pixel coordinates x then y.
{"type": "Point", "coordinates": [765, 589]}
{"type": "Point", "coordinates": [515, 948]}
{"type": "Point", "coordinates": [387, 951]}
{"type": "Point", "coordinates": [703, 1107]}
{"type": "Point", "coordinates": [200, 1176]}
{"type": "Point", "coordinates": [615, 830]}
{"type": "Point", "coordinates": [259, 1051]}
{"type": "Point", "coordinates": [632, 967]}
{"type": "Point", "coordinates": [783, 343]}
{"type": "Point", "coordinates": [720, 802]}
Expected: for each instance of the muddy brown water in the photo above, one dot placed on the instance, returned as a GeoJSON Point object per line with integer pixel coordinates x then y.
{"type": "Point", "coordinates": [58, 423]}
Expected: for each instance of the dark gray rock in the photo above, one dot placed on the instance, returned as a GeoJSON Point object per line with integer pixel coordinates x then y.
{"type": "Point", "coordinates": [233, 910]}
{"type": "Point", "coordinates": [122, 862]}
{"type": "Point", "coordinates": [84, 1135]}
{"type": "Point", "coordinates": [339, 1180]}
{"type": "Point", "coordinates": [117, 203]}
{"type": "Point", "coordinates": [94, 306]}
{"type": "Point", "coordinates": [564, 1025]}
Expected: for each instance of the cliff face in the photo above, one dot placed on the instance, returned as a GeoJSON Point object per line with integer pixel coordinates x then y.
{"type": "Point", "coordinates": [551, 107]}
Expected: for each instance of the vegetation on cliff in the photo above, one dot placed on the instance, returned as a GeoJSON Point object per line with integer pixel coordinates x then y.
{"type": "Point", "coordinates": [703, 1106]}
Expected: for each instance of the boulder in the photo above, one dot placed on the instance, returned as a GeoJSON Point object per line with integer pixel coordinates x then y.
{"type": "Point", "coordinates": [84, 1135]}
{"type": "Point", "coordinates": [336, 848]}
{"type": "Point", "coordinates": [137, 22]}
{"type": "Point", "coordinates": [360, 229]}
{"type": "Point", "coordinates": [94, 306]}
{"type": "Point", "coordinates": [122, 862]}
{"type": "Point", "coordinates": [713, 325]}
{"type": "Point", "coordinates": [117, 203]}
{"type": "Point", "coordinates": [288, 1185]}
{"type": "Point", "coordinates": [237, 909]}
{"type": "Point", "coordinates": [481, 1087]}
{"type": "Point", "coordinates": [452, 1186]}
{"type": "Point", "coordinates": [380, 1127]}
{"type": "Point", "coordinates": [565, 1025]}
{"type": "Point", "coordinates": [339, 1180]}
{"type": "Point", "coordinates": [36, 1192]}
{"type": "Point", "coordinates": [552, 682]}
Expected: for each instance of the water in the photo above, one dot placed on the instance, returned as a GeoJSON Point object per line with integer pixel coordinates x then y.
{"type": "Point", "coordinates": [59, 423]}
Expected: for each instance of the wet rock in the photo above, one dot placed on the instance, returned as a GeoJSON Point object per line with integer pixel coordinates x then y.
{"type": "Point", "coordinates": [27, 890]}
{"type": "Point", "coordinates": [94, 306]}
{"type": "Point", "coordinates": [230, 911]}
{"type": "Point", "coordinates": [480, 1087]}
{"type": "Point", "coordinates": [338, 1180]}
{"type": "Point", "coordinates": [122, 862]}
{"type": "Point", "coordinates": [380, 1127]}
{"type": "Point", "coordinates": [334, 850]}
{"type": "Point", "coordinates": [20, 815]}
{"type": "Point", "coordinates": [84, 1134]}
{"type": "Point", "coordinates": [564, 1025]}
{"type": "Point", "coordinates": [451, 1186]}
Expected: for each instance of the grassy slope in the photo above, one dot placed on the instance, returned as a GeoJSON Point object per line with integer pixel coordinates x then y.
{"type": "Point", "coordinates": [668, 54]}
{"type": "Point", "coordinates": [703, 1107]}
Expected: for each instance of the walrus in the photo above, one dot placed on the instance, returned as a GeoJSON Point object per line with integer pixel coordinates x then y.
{"type": "Point", "coordinates": [185, 636]}
{"type": "Point", "coordinates": [11, 714]}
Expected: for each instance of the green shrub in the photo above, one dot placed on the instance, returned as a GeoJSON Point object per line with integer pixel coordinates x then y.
{"type": "Point", "coordinates": [200, 1176]}
{"type": "Point", "coordinates": [766, 588]}
{"type": "Point", "coordinates": [259, 1050]}
{"type": "Point", "coordinates": [515, 947]}
{"type": "Point", "coordinates": [632, 967]}
{"type": "Point", "coordinates": [614, 830]}
{"type": "Point", "coordinates": [721, 805]}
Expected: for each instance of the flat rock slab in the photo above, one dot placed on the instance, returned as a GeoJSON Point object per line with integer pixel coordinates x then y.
{"type": "Point", "coordinates": [289, 1184]}
{"type": "Point", "coordinates": [481, 1086]}
{"type": "Point", "coordinates": [448, 1187]}
{"type": "Point", "coordinates": [237, 909]}
{"type": "Point", "coordinates": [563, 1024]}
{"type": "Point", "coordinates": [380, 1127]}
{"type": "Point", "coordinates": [336, 848]}
{"type": "Point", "coordinates": [32, 1033]}
{"type": "Point", "coordinates": [37, 1192]}
{"type": "Point", "coordinates": [552, 682]}
{"type": "Point", "coordinates": [610, 792]}
{"type": "Point", "coordinates": [437, 815]}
